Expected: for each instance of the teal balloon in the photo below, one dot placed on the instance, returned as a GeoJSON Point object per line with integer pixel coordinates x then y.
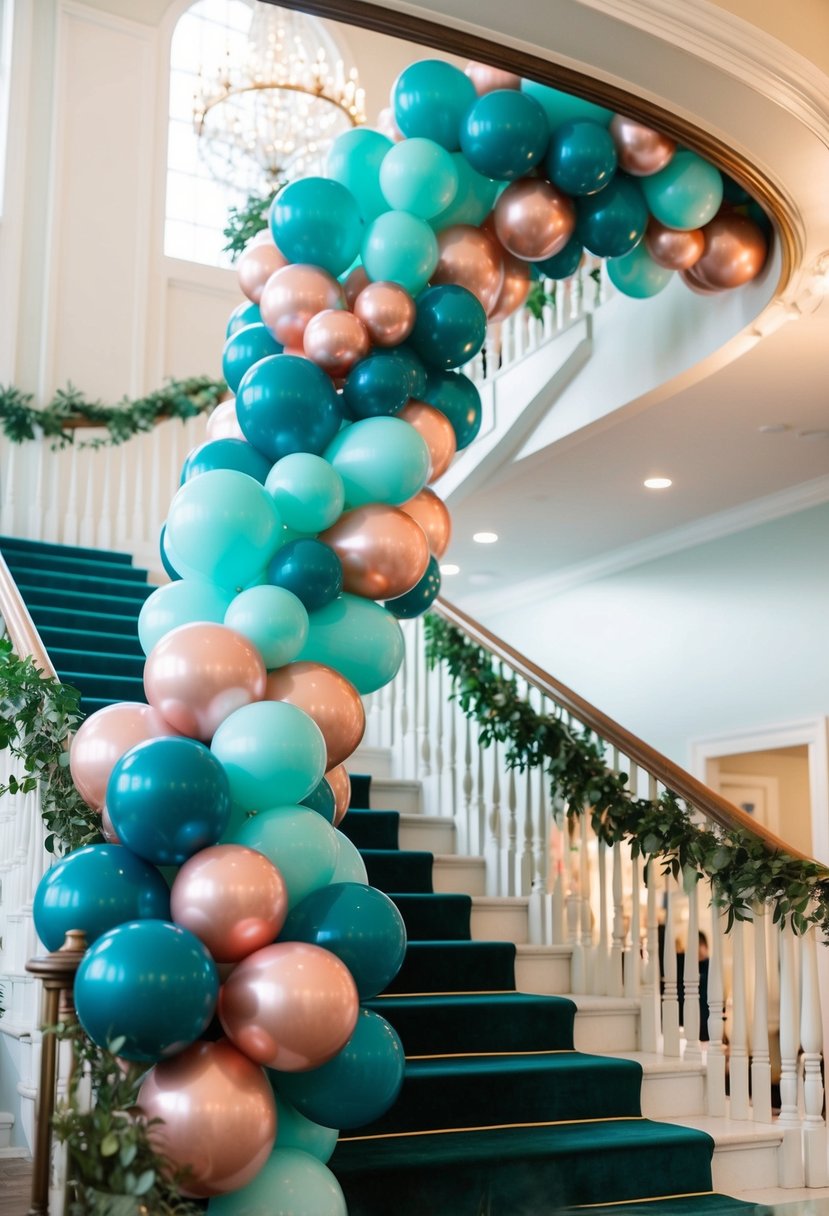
{"type": "Point", "coordinates": [225, 454]}
{"type": "Point", "coordinates": [420, 598]}
{"type": "Point", "coordinates": [272, 752]}
{"type": "Point", "coordinates": [686, 194]}
{"type": "Point", "coordinates": [419, 176]}
{"type": "Point", "coordinates": [290, 1183]}
{"type": "Point", "coordinates": [359, 639]}
{"type": "Point", "coordinates": [415, 368]}
{"type": "Point", "coordinates": [310, 570]}
{"type": "Point", "coordinates": [168, 799]}
{"type": "Point", "coordinates": [564, 263]}
{"type": "Point", "coordinates": [243, 349]}
{"type": "Point", "coordinates": [287, 404]}
{"type": "Point", "coordinates": [293, 1130]}
{"type": "Point", "coordinates": [581, 158]}
{"type": "Point", "coordinates": [180, 603]}
{"type": "Point", "coordinates": [733, 192]}
{"type": "Point", "coordinates": [473, 201]}
{"type": "Point", "coordinates": [224, 526]}
{"type": "Point", "coordinates": [637, 274]}
{"type": "Point", "coordinates": [360, 925]}
{"type": "Point", "coordinates": [300, 843]}
{"type": "Point", "coordinates": [150, 983]}
{"type": "Point", "coordinates": [450, 328]}
{"type": "Point", "coordinates": [505, 134]}
{"type": "Point", "coordinates": [456, 396]}
{"type": "Point", "coordinates": [308, 492]}
{"type": "Point", "coordinates": [378, 384]}
{"type": "Point", "coordinates": [350, 866]}
{"type": "Point", "coordinates": [401, 248]}
{"type": "Point", "coordinates": [563, 107]}
{"type": "Point", "coordinates": [380, 460]}
{"type": "Point", "coordinates": [273, 619]}
{"type": "Point", "coordinates": [359, 1085]}
{"type": "Point", "coordinates": [430, 99]}
{"type": "Point", "coordinates": [322, 800]}
{"type": "Point", "coordinates": [94, 889]}
{"type": "Point", "coordinates": [612, 222]}
{"type": "Point", "coordinates": [246, 313]}
{"type": "Point", "coordinates": [317, 220]}
{"type": "Point", "coordinates": [163, 550]}
{"type": "Point", "coordinates": [354, 161]}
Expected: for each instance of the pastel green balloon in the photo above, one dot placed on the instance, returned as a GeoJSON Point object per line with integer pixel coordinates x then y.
{"type": "Point", "coordinates": [563, 107]}
{"type": "Point", "coordinates": [401, 248]}
{"type": "Point", "coordinates": [273, 619]}
{"type": "Point", "coordinates": [474, 198]}
{"type": "Point", "coordinates": [180, 603]}
{"type": "Point", "coordinates": [350, 866]}
{"type": "Point", "coordinates": [308, 492]}
{"type": "Point", "coordinates": [290, 1183]}
{"type": "Point", "coordinates": [354, 161]}
{"type": "Point", "coordinates": [299, 842]}
{"type": "Point", "coordinates": [358, 638]}
{"type": "Point", "coordinates": [293, 1130]}
{"type": "Point", "coordinates": [380, 460]}
{"type": "Point", "coordinates": [273, 754]}
{"type": "Point", "coordinates": [419, 176]}
{"type": "Point", "coordinates": [636, 274]}
{"type": "Point", "coordinates": [685, 194]}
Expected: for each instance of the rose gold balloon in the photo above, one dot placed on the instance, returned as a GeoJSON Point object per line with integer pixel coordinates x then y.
{"type": "Point", "coordinates": [291, 1006]}
{"type": "Point", "coordinates": [534, 220]}
{"type": "Point", "coordinates": [292, 296]}
{"type": "Point", "coordinates": [234, 900]}
{"type": "Point", "coordinates": [436, 430]}
{"type": "Point", "coordinates": [735, 251]}
{"type": "Point", "coordinates": [641, 150]}
{"type": "Point", "coordinates": [354, 283]}
{"type": "Point", "coordinates": [387, 126]}
{"type": "Point", "coordinates": [671, 248]}
{"type": "Point", "coordinates": [515, 287]}
{"type": "Point", "coordinates": [486, 78]}
{"type": "Point", "coordinates": [340, 783]}
{"type": "Point", "coordinates": [387, 311]}
{"type": "Point", "coordinates": [199, 674]}
{"type": "Point", "coordinates": [102, 740]}
{"type": "Point", "coordinates": [691, 279]}
{"type": "Point", "coordinates": [108, 828]}
{"type": "Point", "coordinates": [381, 550]}
{"type": "Point", "coordinates": [335, 340]}
{"type": "Point", "coordinates": [223, 423]}
{"type": "Point", "coordinates": [327, 697]}
{"type": "Point", "coordinates": [256, 265]}
{"type": "Point", "coordinates": [433, 516]}
{"type": "Point", "coordinates": [470, 258]}
{"type": "Point", "coordinates": [218, 1116]}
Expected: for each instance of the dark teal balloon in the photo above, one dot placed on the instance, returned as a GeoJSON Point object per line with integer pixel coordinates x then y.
{"type": "Point", "coordinates": [420, 598]}
{"type": "Point", "coordinates": [358, 1086]}
{"type": "Point", "coordinates": [733, 192]}
{"type": "Point", "coordinates": [505, 134]}
{"type": "Point", "coordinates": [450, 328]}
{"type": "Point", "coordinates": [310, 569]}
{"type": "Point", "coordinates": [613, 221]}
{"type": "Point", "coordinates": [170, 569]}
{"type": "Point", "coordinates": [286, 404]}
{"type": "Point", "coordinates": [561, 107]}
{"type": "Point", "coordinates": [149, 982]}
{"type": "Point", "coordinates": [168, 799]}
{"type": "Point", "coordinates": [430, 98]}
{"type": "Point", "coordinates": [226, 454]}
{"type": "Point", "coordinates": [377, 385]}
{"type": "Point", "coordinates": [246, 313]}
{"type": "Point", "coordinates": [416, 370]}
{"type": "Point", "coordinates": [317, 220]}
{"type": "Point", "coordinates": [564, 263]}
{"type": "Point", "coordinates": [359, 924]}
{"type": "Point", "coordinates": [94, 889]}
{"type": "Point", "coordinates": [322, 800]}
{"type": "Point", "coordinates": [243, 349]}
{"type": "Point", "coordinates": [455, 395]}
{"type": "Point", "coordinates": [581, 158]}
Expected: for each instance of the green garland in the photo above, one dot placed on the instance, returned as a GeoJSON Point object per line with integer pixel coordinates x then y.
{"type": "Point", "coordinates": [742, 869]}
{"type": "Point", "coordinates": [243, 223]}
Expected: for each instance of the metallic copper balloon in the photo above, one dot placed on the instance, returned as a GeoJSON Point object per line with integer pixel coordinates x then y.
{"type": "Point", "coordinates": [295, 294]}
{"type": "Point", "coordinates": [103, 738]}
{"type": "Point", "coordinates": [223, 423]}
{"type": "Point", "coordinates": [108, 828]}
{"type": "Point", "coordinates": [438, 433]}
{"type": "Point", "coordinates": [433, 516]}
{"type": "Point", "coordinates": [327, 697]}
{"type": "Point", "coordinates": [641, 150]}
{"type": "Point", "coordinates": [515, 287]}
{"type": "Point", "coordinates": [671, 248]}
{"type": "Point", "coordinates": [692, 279]}
{"type": "Point", "coordinates": [735, 251]}
{"type": "Point", "coordinates": [234, 899]}
{"type": "Point", "coordinates": [218, 1117]}
{"type": "Point", "coordinates": [487, 79]}
{"type": "Point", "coordinates": [291, 1006]}
{"type": "Point", "coordinates": [353, 284]}
{"type": "Point", "coordinates": [387, 311]}
{"type": "Point", "coordinates": [470, 258]}
{"type": "Point", "coordinates": [256, 265]}
{"type": "Point", "coordinates": [340, 783]}
{"type": "Point", "coordinates": [533, 219]}
{"type": "Point", "coordinates": [383, 552]}
{"type": "Point", "coordinates": [335, 340]}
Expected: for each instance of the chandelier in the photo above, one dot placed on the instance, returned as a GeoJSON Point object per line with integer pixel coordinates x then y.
{"type": "Point", "coordinates": [272, 115]}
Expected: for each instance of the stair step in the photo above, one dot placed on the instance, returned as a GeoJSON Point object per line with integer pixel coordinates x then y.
{"type": "Point", "coordinates": [743, 1150]}
{"type": "Point", "coordinates": [82, 601]}
{"type": "Point", "coordinates": [428, 917]}
{"type": "Point", "coordinates": [13, 544]}
{"type": "Point", "coordinates": [452, 966]}
{"type": "Point", "coordinates": [605, 1024]}
{"type": "Point", "coordinates": [545, 970]}
{"type": "Point", "coordinates": [75, 589]}
{"type": "Point", "coordinates": [374, 761]}
{"type": "Point", "coordinates": [670, 1087]}
{"type": "Point", "coordinates": [104, 686]}
{"type": "Point", "coordinates": [452, 872]}
{"type": "Point", "coordinates": [403, 796]}
{"type": "Point", "coordinates": [503, 917]}
{"type": "Point", "coordinates": [71, 565]}
{"type": "Point", "coordinates": [487, 1022]}
{"type": "Point", "coordinates": [49, 616]}
{"type": "Point", "coordinates": [97, 662]}
{"type": "Point", "coordinates": [118, 645]}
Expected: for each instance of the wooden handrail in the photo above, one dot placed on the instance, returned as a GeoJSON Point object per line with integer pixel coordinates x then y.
{"type": "Point", "coordinates": [21, 628]}
{"type": "Point", "coordinates": [698, 795]}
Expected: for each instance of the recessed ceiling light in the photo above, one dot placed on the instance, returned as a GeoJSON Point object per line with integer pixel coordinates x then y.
{"type": "Point", "coordinates": [485, 538]}
{"type": "Point", "coordinates": [774, 428]}
{"type": "Point", "coordinates": [450, 568]}
{"type": "Point", "coordinates": [657, 483]}
{"type": "Point", "coordinates": [821, 433]}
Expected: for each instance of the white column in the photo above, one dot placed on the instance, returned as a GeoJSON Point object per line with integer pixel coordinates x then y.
{"type": "Point", "coordinates": [760, 1063]}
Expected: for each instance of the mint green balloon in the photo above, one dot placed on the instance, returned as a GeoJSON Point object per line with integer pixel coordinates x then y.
{"type": "Point", "coordinates": [350, 866]}
{"type": "Point", "coordinates": [419, 176]}
{"type": "Point", "coordinates": [401, 248]}
{"type": "Point", "coordinates": [290, 1183]}
{"type": "Point", "coordinates": [358, 638]}
{"type": "Point", "coordinates": [637, 275]}
{"type": "Point", "coordinates": [307, 491]}
{"type": "Point", "coordinates": [380, 460]}
{"type": "Point", "coordinates": [474, 199]}
{"type": "Point", "coordinates": [273, 619]}
{"type": "Point", "coordinates": [293, 1130]}
{"type": "Point", "coordinates": [180, 603]}
{"type": "Point", "coordinates": [686, 194]}
{"type": "Point", "coordinates": [563, 107]}
{"type": "Point", "coordinates": [272, 752]}
{"type": "Point", "coordinates": [354, 161]}
{"type": "Point", "coordinates": [301, 844]}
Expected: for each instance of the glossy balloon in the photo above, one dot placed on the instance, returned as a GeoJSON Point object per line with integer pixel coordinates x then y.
{"type": "Point", "coordinates": [181, 603]}
{"type": "Point", "coordinates": [561, 107]}
{"type": "Point", "coordinates": [295, 1131]}
{"type": "Point", "coordinates": [416, 369]}
{"type": "Point", "coordinates": [735, 251]}
{"type": "Point", "coordinates": [243, 314]}
{"type": "Point", "coordinates": [470, 257]}
{"type": "Point", "coordinates": [429, 99]}
{"type": "Point", "coordinates": [641, 150]}
{"type": "Point", "coordinates": [340, 783]}
{"type": "Point", "coordinates": [581, 158]}
{"type": "Point", "coordinates": [455, 395]}
{"type": "Point", "coordinates": [564, 263]}
{"type": "Point", "coordinates": [401, 248]}
{"type": "Point", "coordinates": [437, 433]}
{"type": "Point", "coordinates": [308, 569]}
{"type": "Point", "coordinates": [291, 1183]}
{"type": "Point", "coordinates": [273, 619]}
{"type": "Point", "coordinates": [103, 738]}
{"type": "Point", "coordinates": [308, 492]}
{"type": "Point", "coordinates": [504, 134]}
{"type": "Point", "coordinates": [335, 340]}
{"type": "Point", "coordinates": [299, 842]}
{"type": "Point", "coordinates": [421, 597]}
{"type": "Point", "coordinates": [382, 550]}
{"type": "Point", "coordinates": [515, 287]}
{"type": "Point", "coordinates": [433, 516]}
{"type": "Point", "coordinates": [534, 219]}
{"type": "Point", "coordinates": [612, 222]}
{"type": "Point", "coordinates": [685, 194]}
{"type": "Point", "coordinates": [286, 404]}
{"type": "Point", "coordinates": [163, 552]}
{"type": "Point", "coordinates": [353, 284]}
{"type": "Point", "coordinates": [293, 296]}
{"type": "Point", "coordinates": [322, 800]}
{"type": "Point", "coordinates": [317, 221]}
{"type": "Point", "coordinates": [273, 754]}
{"type": "Point", "coordinates": [357, 638]}
{"type": "Point", "coordinates": [255, 266]}
{"type": "Point", "coordinates": [637, 274]}
{"type": "Point", "coordinates": [673, 249]}
{"type": "Point", "coordinates": [350, 866]}
{"type": "Point", "coordinates": [451, 326]}
{"type": "Point", "coordinates": [378, 385]}
{"type": "Point", "coordinates": [380, 460]}
{"type": "Point", "coordinates": [328, 698]}
{"type": "Point", "coordinates": [419, 176]}
{"type": "Point", "coordinates": [223, 423]}
{"type": "Point", "coordinates": [354, 161]}
{"type": "Point", "coordinates": [486, 78]}
{"type": "Point", "coordinates": [243, 349]}
{"type": "Point", "coordinates": [473, 201]}
{"type": "Point", "coordinates": [387, 311]}
{"type": "Point", "coordinates": [225, 454]}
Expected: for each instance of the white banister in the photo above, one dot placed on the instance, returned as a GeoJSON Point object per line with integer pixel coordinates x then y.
{"type": "Point", "coordinates": [690, 1005]}
{"type": "Point", "coordinates": [760, 1061]}
{"type": "Point", "coordinates": [739, 1027]}
{"type": "Point", "coordinates": [715, 1057]}
{"type": "Point", "coordinates": [670, 1002]}
{"type": "Point", "coordinates": [811, 1033]}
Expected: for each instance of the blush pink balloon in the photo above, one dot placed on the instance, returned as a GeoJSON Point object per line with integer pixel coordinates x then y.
{"type": "Point", "coordinates": [438, 432]}
{"type": "Point", "coordinates": [327, 697]}
{"type": "Point", "coordinates": [218, 1117]}
{"type": "Point", "coordinates": [234, 899]}
{"type": "Point", "coordinates": [292, 296]}
{"type": "Point", "coordinates": [692, 278]}
{"type": "Point", "coordinates": [104, 738]}
{"type": "Point", "coordinates": [383, 552]}
{"type": "Point", "coordinates": [223, 423]}
{"type": "Point", "coordinates": [335, 340]}
{"type": "Point", "coordinates": [515, 287]}
{"type": "Point", "coordinates": [199, 674]}
{"type": "Point", "coordinates": [470, 257]}
{"type": "Point", "coordinates": [291, 1006]}
{"type": "Point", "coordinates": [641, 150]}
{"type": "Point", "coordinates": [354, 283]}
{"type": "Point", "coordinates": [433, 516]}
{"type": "Point", "coordinates": [340, 783]}
{"type": "Point", "coordinates": [387, 126]}
{"type": "Point", "coordinates": [487, 79]}
{"type": "Point", "coordinates": [387, 311]}
{"type": "Point", "coordinates": [671, 248]}
{"type": "Point", "coordinates": [533, 219]}
{"type": "Point", "coordinates": [256, 265]}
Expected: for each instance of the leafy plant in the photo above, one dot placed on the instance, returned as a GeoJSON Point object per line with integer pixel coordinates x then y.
{"type": "Point", "coordinates": [243, 223]}
{"type": "Point", "coordinates": [538, 298]}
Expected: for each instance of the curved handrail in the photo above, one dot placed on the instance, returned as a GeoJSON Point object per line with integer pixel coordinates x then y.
{"type": "Point", "coordinates": [685, 786]}
{"type": "Point", "coordinates": [21, 628]}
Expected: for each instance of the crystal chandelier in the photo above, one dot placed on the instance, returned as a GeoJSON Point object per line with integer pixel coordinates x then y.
{"type": "Point", "coordinates": [271, 116]}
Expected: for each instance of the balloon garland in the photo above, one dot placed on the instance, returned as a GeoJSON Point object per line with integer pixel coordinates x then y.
{"type": "Point", "coordinates": [303, 530]}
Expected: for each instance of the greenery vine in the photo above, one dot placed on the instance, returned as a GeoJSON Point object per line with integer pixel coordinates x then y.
{"type": "Point", "coordinates": [243, 223]}
{"type": "Point", "coordinates": [663, 830]}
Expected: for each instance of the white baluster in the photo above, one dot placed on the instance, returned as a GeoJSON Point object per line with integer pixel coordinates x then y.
{"type": "Point", "coordinates": [425, 749]}
{"type": "Point", "coordinates": [715, 1056]}
{"type": "Point", "coordinates": [437, 678]}
{"type": "Point", "coordinates": [103, 535]}
{"type": "Point", "coordinates": [139, 527]}
{"type": "Point", "coordinates": [615, 980]}
{"type": "Point", "coordinates": [670, 1004]}
{"type": "Point", "coordinates": [468, 784]}
{"type": "Point", "coordinates": [495, 821]}
{"type": "Point", "coordinates": [121, 515]}
{"type": "Point", "coordinates": [453, 768]}
{"type": "Point", "coordinates": [586, 899]}
{"type": "Point", "coordinates": [651, 1001]}
{"type": "Point", "coordinates": [811, 1035]}
{"type": "Point", "coordinates": [791, 1156]}
{"type": "Point", "coordinates": [578, 969]}
{"type": "Point", "coordinates": [633, 957]}
{"type": "Point", "coordinates": [512, 831]}
{"type": "Point", "coordinates": [481, 802]}
{"type": "Point", "coordinates": [69, 527]}
{"type": "Point", "coordinates": [416, 709]}
{"type": "Point", "coordinates": [527, 877]}
{"type": "Point", "coordinates": [760, 1063]}
{"type": "Point", "coordinates": [599, 978]}
{"type": "Point", "coordinates": [35, 530]}
{"type": "Point", "coordinates": [690, 1008]}
{"type": "Point", "coordinates": [739, 1027]}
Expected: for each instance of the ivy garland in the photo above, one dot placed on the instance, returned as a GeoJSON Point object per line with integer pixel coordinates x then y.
{"type": "Point", "coordinates": [742, 869]}
{"type": "Point", "coordinates": [243, 223]}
